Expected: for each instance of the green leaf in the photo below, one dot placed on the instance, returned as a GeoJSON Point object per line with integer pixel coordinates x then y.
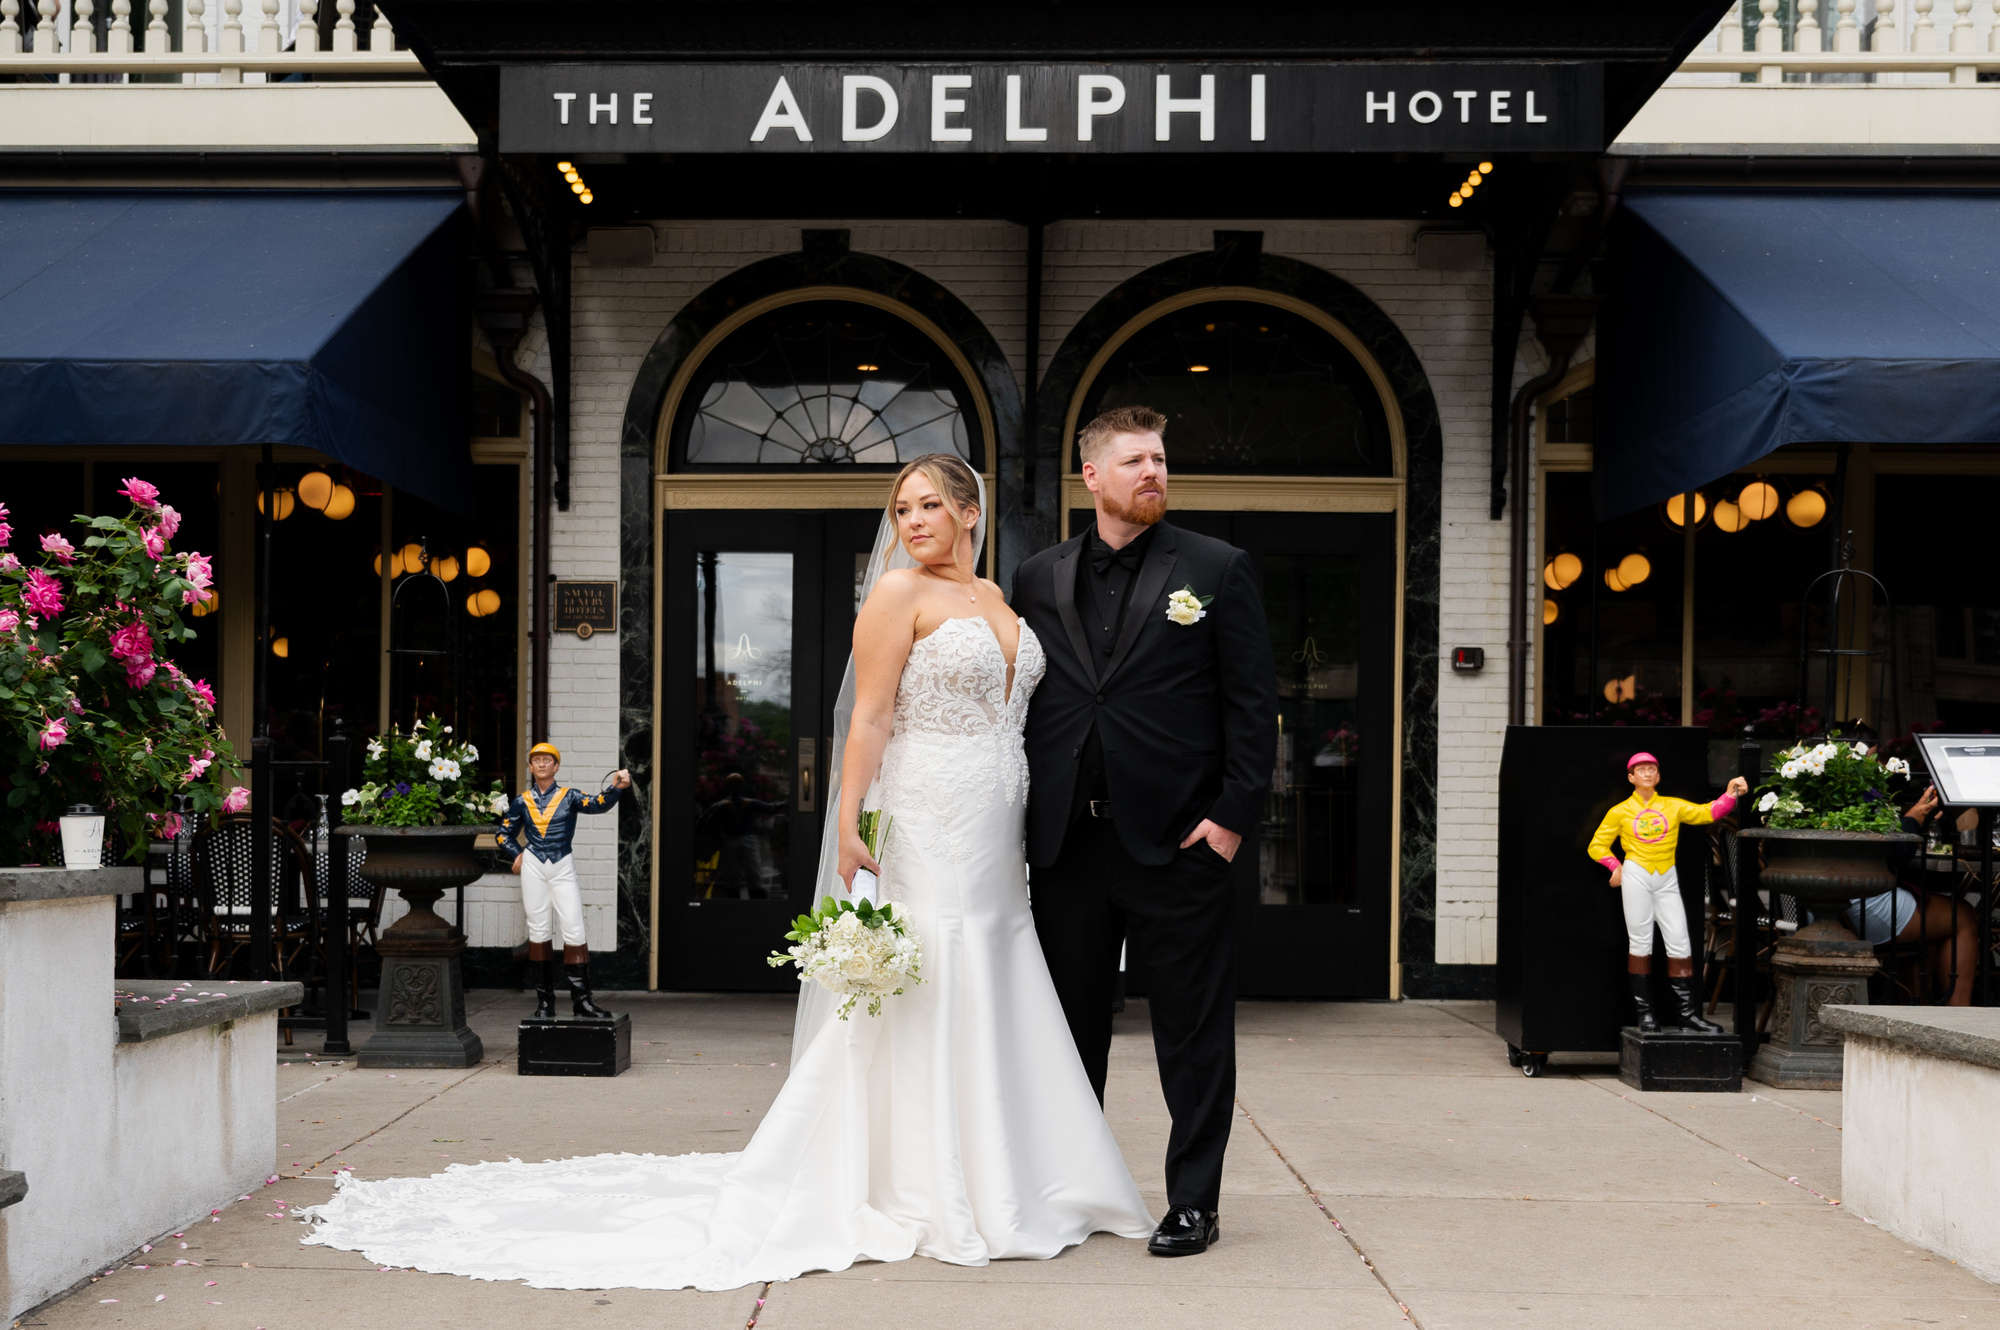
{"type": "Point", "coordinates": [91, 657]}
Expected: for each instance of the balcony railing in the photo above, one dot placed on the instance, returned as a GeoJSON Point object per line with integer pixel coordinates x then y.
{"type": "Point", "coordinates": [1909, 41]}
{"type": "Point", "coordinates": [48, 46]}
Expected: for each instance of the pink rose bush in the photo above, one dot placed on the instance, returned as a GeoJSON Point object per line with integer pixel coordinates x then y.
{"type": "Point", "coordinates": [90, 710]}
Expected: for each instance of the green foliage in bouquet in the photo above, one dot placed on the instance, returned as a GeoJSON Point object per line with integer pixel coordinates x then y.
{"type": "Point", "coordinates": [91, 712]}
{"type": "Point", "coordinates": [422, 779]}
{"type": "Point", "coordinates": [826, 915]}
{"type": "Point", "coordinates": [874, 824]}
{"type": "Point", "coordinates": [1833, 786]}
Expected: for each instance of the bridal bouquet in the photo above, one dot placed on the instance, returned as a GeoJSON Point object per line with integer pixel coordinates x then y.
{"type": "Point", "coordinates": [856, 948]}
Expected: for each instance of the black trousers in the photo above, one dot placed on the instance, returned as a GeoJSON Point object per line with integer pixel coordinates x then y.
{"type": "Point", "coordinates": [1176, 921]}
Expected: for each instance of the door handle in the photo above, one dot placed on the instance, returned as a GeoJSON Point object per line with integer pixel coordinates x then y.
{"type": "Point", "coordinates": [808, 789]}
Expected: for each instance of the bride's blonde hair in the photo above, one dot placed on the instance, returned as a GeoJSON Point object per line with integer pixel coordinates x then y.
{"type": "Point", "coordinates": [949, 475]}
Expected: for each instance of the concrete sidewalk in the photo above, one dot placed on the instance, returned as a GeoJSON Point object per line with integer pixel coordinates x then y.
{"type": "Point", "coordinates": [1388, 1168]}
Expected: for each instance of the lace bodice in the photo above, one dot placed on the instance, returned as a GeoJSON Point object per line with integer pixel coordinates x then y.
{"type": "Point", "coordinates": [956, 742]}
{"type": "Point", "coordinates": [955, 681]}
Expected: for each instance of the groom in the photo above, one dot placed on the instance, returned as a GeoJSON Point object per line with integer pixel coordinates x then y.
{"type": "Point", "coordinates": [1150, 742]}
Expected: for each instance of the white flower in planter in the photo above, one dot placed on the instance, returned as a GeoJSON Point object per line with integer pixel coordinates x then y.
{"type": "Point", "coordinates": [1768, 802]}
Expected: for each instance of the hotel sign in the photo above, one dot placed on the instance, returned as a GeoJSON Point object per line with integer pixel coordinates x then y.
{"type": "Point", "coordinates": [989, 108]}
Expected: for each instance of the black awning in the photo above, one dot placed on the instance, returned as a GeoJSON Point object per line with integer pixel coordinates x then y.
{"type": "Point", "coordinates": [331, 320]}
{"type": "Point", "coordinates": [1740, 322]}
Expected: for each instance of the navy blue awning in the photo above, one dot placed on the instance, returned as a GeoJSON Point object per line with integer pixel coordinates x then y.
{"type": "Point", "coordinates": [1739, 322]}
{"type": "Point", "coordinates": [331, 320]}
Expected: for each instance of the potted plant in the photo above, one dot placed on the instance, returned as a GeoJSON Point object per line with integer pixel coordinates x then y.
{"type": "Point", "coordinates": [1831, 826]}
{"type": "Point", "coordinates": [91, 711]}
{"type": "Point", "coordinates": [421, 813]}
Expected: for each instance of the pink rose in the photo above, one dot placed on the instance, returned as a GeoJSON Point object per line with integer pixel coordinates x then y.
{"type": "Point", "coordinates": [132, 641]}
{"type": "Point", "coordinates": [198, 766]}
{"type": "Point", "coordinates": [43, 594]}
{"type": "Point", "coordinates": [62, 549]}
{"type": "Point", "coordinates": [200, 574]}
{"type": "Point", "coordinates": [155, 543]}
{"type": "Point", "coordinates": [139, 673]}
{"type": "Point", "coordinates": [200, 688]}
{"type": "Point", "coordinates": [75, 706]}
{"type": "Point", "coordinates": [9, 621]}
{"type": "Point", "coordinates": [141, 493]}
{"type": "Point", "coordinates": [168, 823]}
{"type": "Point", "coordinates": [236, 800]}
{"type": "Point", "coordinates": [8, 563]}
{"type": "Point", "coordinates": [170, 520]}
{"type": "Point", "coordinates": [53, 734]}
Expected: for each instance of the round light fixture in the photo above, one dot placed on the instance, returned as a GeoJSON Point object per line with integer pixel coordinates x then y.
{"type": "Point", "coordinates": [316, 490]}
{"type": "Point", "coordinates": [477, 561]}
{"type": "Point", "coordinates": [1621, 690]}
{"type": "Point", "coordinates": [1550, 611]}
{"type": "Point", "coordinates": [565, 166]}
{"type": "Point", "coordinates": [286, 500]}
{"type": "Point", "coordinates": [482, 603]}
{"type": "Point", "coordinates": [341, 506]}
{"type": "Point", "coordinates": [1758, 500]}
{"type": "Point", "coordinates": [588, 196]}
{"type": "Point", "coordinates": [1633, 569]}
{"type": "Point", "coordinates": [1728, 517]}
{"type": "Point", "coordinates": [1562, 571]}
{"type": "Point", "coordinates": [445, 567]}
{"type": "Point", "coordinates": [281, 647]}
{"type": "Point", "coordinates": [868, 369]}
{"type": "Point", "coordinates": [1457, 202]}
{"type": "Point", "coordinates": [1486, 168]}
{"type": "Point", "coordinates": [412, 557]}
{"type": "Point", "coordinates": [1465, 191]}
{"type": "Point", "coordinates": [576, 187]}
{"type": "Point", "coordinates": [1614, 581]}
{"type": "Point", "coordinates": [1806, 508]}
{"type": "Point", "coordinates": [1197, 369]}
{"type": "Point", "coordinates": [1675, 505]}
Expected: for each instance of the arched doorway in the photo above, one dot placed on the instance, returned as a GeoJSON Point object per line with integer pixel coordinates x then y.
{"type": "Point", "coordinates": [1286, 440]}
{"type": "Point", "coordinates": [773, 445]}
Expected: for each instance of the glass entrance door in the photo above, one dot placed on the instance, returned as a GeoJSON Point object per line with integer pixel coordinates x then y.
{"type": "Point", "coordinates": [1313, 881]}
{"type": "Point", "coordinates": [759, 617]}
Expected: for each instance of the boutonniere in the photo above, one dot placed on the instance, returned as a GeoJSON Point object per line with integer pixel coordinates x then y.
{"type": "Point", "coordinates": [1185, 607]}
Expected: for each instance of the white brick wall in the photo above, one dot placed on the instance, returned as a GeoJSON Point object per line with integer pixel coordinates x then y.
{"type": "Point", "coordinates": [493, 915]}
{"type": "Point", "coordinates": [1445, 316]}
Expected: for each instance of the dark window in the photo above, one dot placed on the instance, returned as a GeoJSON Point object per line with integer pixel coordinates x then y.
{"type": "Point", "coordinates": [1249, 387]}
{"type": "Point", "coordinates": [496, 409]}
{"type": "Point", "coordinates": [825, 382]}
{"type": "Point", "coordinates": [1572, 419]}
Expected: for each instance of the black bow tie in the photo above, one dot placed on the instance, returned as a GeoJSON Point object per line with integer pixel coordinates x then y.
{"type": "Point", "coordinates": [1102, 556]}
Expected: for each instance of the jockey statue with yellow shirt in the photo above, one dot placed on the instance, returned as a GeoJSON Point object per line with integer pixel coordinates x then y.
{"type": "Point", "coordinates": [544, 817]}
{"type": "Point", "coordinates": [1649, 823]}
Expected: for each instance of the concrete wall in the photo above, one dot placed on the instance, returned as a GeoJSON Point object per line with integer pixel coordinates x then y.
{"type": "Point", "coordinates": [120, 1142]}
{"type": "Point", "coordinates": [1446, 317]}
{"type": "Point", "coordinates": [1918, 1152]}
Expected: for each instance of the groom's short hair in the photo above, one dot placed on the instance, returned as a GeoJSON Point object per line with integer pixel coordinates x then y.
{"type": "Point", "coordinates": [1118, 420]}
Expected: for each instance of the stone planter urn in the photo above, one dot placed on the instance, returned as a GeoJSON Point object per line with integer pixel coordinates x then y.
{"type": "Point", "coordinates": [420, 1017]}
{"type": "Point", "coordinates": [1823, 964]}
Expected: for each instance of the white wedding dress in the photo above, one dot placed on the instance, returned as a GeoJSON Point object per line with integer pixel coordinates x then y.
{"type": "Point", "coordinates": [957, 1125]}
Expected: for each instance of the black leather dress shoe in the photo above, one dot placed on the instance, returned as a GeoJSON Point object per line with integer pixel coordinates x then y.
{"type": "Point", "coordinates": [1185, 1231]}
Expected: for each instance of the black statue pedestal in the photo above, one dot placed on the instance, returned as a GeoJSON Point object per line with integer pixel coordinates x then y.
{"type": "Point", "coordinates": [1682, 1061]}
{"type": "Point", "coordinates": [420, 1012]}
{"type": "Point", "coordinates": [576, 1047]}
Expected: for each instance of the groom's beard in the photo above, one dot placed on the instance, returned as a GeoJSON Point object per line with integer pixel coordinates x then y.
{"type": "Point", "coordinates": [1144, 510]}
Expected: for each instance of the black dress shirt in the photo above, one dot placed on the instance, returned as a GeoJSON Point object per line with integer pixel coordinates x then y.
{"type": "Point", "coordinates": [1104, 584]}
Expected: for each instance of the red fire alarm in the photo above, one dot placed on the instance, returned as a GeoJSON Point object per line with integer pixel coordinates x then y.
{"type": "Point", "coordinates": [1468, 659]}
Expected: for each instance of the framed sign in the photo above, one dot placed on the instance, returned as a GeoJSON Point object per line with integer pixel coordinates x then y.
{"type": "Point", "coordinates": [585, 608]}
{"type": "Point", "coordinates": [1964, 767]}
{"type": "Point", "coordinates": [1326, 106]}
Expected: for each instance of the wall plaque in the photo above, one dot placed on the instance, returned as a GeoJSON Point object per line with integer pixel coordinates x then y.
{"type": "Point", "coordinates": [584, 608]}
{"type": "Point", "coordinates": [1325, 106]}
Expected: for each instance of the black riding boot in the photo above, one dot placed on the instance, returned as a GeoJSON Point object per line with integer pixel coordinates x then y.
{"type": "Point", "coordinates": [579, 994]}
{"type": "Point", "coordinates": [1642, 998]}
{"type": "Point", "coordinates": [545, 991]}
{"type": "Point", "coordinates": [1689, 1008]}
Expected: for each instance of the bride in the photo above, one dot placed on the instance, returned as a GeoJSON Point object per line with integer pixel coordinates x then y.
{"type": "Point", "coordinates": [959, 1123]}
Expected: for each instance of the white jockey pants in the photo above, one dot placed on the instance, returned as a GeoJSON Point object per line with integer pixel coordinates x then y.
{"type": "Point", "coordinates": [547, 886]}
{"type": "Point", "coordinates": [1654, 898]}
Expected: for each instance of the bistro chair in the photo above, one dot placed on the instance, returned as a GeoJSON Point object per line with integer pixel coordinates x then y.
{"type": "Point", "coordinates": [222, 874]}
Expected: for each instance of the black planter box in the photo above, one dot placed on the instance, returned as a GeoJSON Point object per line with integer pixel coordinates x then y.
{"type": "Point", "coordinates": [576, 1047]}
{"type": "Point", "coordinates": [1681, 1061]}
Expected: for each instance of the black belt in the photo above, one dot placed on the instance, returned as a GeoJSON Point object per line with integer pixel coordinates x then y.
{"type": "Point", "coordinates": [1101, 808]}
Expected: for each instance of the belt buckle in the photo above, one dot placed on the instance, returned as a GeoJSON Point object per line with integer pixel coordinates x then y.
{"type": "Point", "coordinates": [1101, 808]}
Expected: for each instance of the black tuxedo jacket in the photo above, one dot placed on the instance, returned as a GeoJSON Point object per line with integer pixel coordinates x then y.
{"type": "Point", "coordinates": [1187, 714]}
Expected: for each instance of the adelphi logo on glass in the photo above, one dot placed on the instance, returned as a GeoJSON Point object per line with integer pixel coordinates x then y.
{"type": "Point", "coordinates": [1069, 108]}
